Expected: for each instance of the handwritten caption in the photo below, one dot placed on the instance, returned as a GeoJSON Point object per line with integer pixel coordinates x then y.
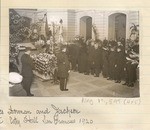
{"type": "Point", "coordinates": [57, 115]}
{"type": "Point", "coordinates": [50, 115]}
{"type": "Point", "coordinates": [111, 101]}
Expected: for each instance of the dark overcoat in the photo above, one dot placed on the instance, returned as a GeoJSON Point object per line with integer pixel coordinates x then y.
{"type": "Point", "coordinates": [97, 58]}
{"type": "Point", "coordinates": [63, 65]}
{"type": "Point", "coordinates": [105, 54]}
{"type": "Point", "coordinates": [120, 62]}
{"type": "Point", "coordinates": [27, 66]}
{"type": "Point", "coordinates": [82, 59]}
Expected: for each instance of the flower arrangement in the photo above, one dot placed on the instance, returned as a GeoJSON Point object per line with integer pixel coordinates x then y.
{"type": "Point", "coordinates": [19, 27]}
{"type": "Point", "coordinates": [13, 52]}
{"type": "Point", "coordinates": [134, 36]}
{"type": "Point", "coordinates": [44, 63]}
{"type": "Point", "coordinates": [35, 31]}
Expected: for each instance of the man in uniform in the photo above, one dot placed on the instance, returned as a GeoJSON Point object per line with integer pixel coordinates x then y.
{"type": "Point", "coordinates": [97, 60]}
{"type": "Point", "coordinates": [105, 54]}
{"type": "Point", "coordinates": [120, 62]}
{"type": "Point", "coordinates": [82, 56]}
{"type": "Point", "coordinates": [132, 61]}
{"type": "Point", "coordinates": [27, 66]}
{"type": "Point", "coordinates": [90, 58]}
{"type": "Point", "coordinates": [63, 68]}
{"type": "Point", "coordinates": [73, 55]}
{"type": "Point", "coordinates": [112, 61]}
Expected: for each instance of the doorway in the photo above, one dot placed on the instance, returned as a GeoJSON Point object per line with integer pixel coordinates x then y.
{"type": "Point", "coordinates": [117, 26]}
{"type": "Point", "coordinates": [86, 27]}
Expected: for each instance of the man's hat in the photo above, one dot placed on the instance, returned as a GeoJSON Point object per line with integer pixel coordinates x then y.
{"type": "Point", "coordinates": [15, 78]}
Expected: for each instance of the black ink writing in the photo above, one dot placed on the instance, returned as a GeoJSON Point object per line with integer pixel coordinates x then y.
{"type": "Point", "coordinates": [65, 111]}
{"type": "Point", "coordinates": [61, 121]}
{"type": "Point", "coordinates": [31, 120]}
{"type": "Point", "coordinates": [46, 121]}
{"type": "Point", "coordinates": [14, 121]}
{"type": "Point", "coordinates": [85, 121]}
{"type": "Point", "coordinates": [46, 111]}
{"type": "Point", "coordinates": [15, 111]}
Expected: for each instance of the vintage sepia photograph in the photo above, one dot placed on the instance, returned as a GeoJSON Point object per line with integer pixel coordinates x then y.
{"type": "Point", "coordinates": [73, 53]}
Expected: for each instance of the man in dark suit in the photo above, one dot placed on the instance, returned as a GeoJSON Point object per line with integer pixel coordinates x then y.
{"type": "Point", "coordinates": [112, 61]}
{"type": "Point", "coordinates": [27, 66]}
{"type": "Point", "coordinates": [82, 56]}
{"type": "Point", "coordinates": [90, 58]}
{"type": "Point", "coordinates": [63, 68]}
{"type": "Point", "coordinates": [132, 61]}
{"type": "Point", "coordinates": [120, 62]}
{"type": "Point", "coordinates": [97, 60]}
{"type": "Point", "coordinates": [105, 54]}
{"type": "Point", "coordinates": [73, 55]}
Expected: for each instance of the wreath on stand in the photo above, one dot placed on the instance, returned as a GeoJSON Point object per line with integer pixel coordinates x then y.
{"type": "Point", "coordinates": [35, 31]}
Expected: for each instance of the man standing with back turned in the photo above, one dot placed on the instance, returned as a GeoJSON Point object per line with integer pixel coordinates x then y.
{"type": "Point", "coordinates": [27, 66]}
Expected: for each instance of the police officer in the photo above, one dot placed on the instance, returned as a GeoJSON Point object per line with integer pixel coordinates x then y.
{"type": "Point", "coordinates": [120, 62]}
{"type": "Point", "coordinates": [27, 66]}
{"type": "Point", "coordinates": [90, 57]}
{"type": "Point", "coordinates": [112, 61]}
{"type": "Point", "coordinates": [105, 54]}
{"type": "Point", "coordinates": [82, 56]}
{"type": "Point", "coordinates": [132, 61]}
{"type": "Point", "coordinates": [97, 60]}
{"type": "Point", "coordinates": [63, 68]}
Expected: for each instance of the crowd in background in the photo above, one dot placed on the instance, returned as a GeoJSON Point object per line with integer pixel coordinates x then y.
{"type": "Point", "coordinates": [116, 60]}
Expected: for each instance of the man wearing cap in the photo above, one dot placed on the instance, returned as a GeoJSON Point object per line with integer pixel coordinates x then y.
{"type": "Point", "coordinates": [132, 61]}
{"type": "Point", "coordinates": [90, 58]}
{"type": "Point", "coordinates": [120, 62]}
{"type": "Point", "coordinates": [112, 61]}
{"type": "Point", "coordinates": [63, 68]}
{"type": "Point", "coordinates": [27, 66]}
{"type": "Point", "coordinates": [105, 54]}
{"type": "Point", "coordinates": [97, 60]}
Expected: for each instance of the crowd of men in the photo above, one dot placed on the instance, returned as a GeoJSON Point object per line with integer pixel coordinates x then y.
{"type": "Point", "coordinates": [116, 60]}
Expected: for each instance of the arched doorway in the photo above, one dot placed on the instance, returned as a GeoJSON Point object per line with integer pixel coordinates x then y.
{"type": "Point", "coordinates": [86, 27]}
{"type": "Point", "coordinates": [117, 26]}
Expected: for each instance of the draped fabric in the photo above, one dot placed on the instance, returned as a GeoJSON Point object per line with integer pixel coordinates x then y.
{"type": "Point", "coordinates": [46, 29]}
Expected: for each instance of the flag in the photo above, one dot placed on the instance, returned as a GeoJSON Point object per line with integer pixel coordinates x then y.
{"type": "Point", "coordinates": [46, 28]}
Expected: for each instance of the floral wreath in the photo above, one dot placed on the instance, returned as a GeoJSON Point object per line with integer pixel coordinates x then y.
{"type": "Point", "coordinates": [35, 30]}
{"type": "Point", "coordinates": [37, 27]}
